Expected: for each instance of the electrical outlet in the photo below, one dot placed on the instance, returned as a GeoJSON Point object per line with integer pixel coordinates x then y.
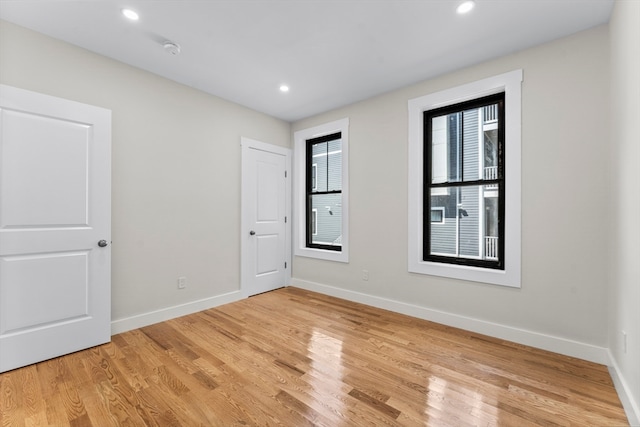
{"type": "Point", "coordinates": [182, 282]}
{"type": "Point", "coordinates": [365, 275]}
{"type": "Point", "coordinates": [624, 342]}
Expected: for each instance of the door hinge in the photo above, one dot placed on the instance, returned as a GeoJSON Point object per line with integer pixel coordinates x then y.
{"type": "Point", "coordinates": [285, 219]}
{"type": "Point", "coordinates": [285, 174]}
{"type": "Point", "coordinates": [285, 264]}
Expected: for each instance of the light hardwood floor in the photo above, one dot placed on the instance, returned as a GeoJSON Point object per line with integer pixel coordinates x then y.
{"type": "Point", "coordinates": [296, 358]}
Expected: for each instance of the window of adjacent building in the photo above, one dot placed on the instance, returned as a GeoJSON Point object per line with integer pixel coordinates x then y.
{"type": "Point", "coordinates": [437, 215]}
{"type": "Point", "coordinates": [464, 164]}
{"type": "Point", "coordinates": [322, 192]}
{"type": "Point", "coordinates": [314, 174]}
{"type": "Point", "coordinates": [314, 222]}
{"type": "Point", "coordinates": [464, 161]}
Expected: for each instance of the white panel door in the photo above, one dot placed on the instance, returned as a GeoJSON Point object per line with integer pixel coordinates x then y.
{"type": "Point", "coordinates": [55, 227]}
{"type": "Point", "coordinates": [265, 248]}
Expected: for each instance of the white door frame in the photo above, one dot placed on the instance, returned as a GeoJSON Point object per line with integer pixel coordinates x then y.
{"type": "Point", "coordinates": [245, 219]}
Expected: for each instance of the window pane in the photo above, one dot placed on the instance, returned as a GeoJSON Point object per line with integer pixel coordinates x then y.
{"type": "Point", "coordinates": [471, 144]}
{"type": "Point", "coordinates": [328, 219]}
{"type": "Point", "coordinates": [464, 145]}
{"type": "Point", "coordinates": [327, 158]}
{"type": "Point", "coordinates": [490, 135]}
{"type": "Point", "coordinates": [447, 148]}
{"type": "Point", "coordinates": [439, 150]}
{"type": "Point", "coordinates": [334, 159]}
{"type": "Point", "coordinates": [470, 226]}
{"type": "Point", "coordinates": [443, 235]}
{"type": "Point", "coordinates": [491, 227]}
{"type": "Point", "coordinates": [319, 158]}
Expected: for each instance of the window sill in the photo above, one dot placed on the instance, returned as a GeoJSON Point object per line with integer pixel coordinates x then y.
{"type": "Point", "coordinates": [324, 254]}
{"type": "Point", "coordinates": [463, 272]}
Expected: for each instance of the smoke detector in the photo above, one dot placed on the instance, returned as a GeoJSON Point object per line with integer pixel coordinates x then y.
{"type": "Point", "coordinates": [171, 47]}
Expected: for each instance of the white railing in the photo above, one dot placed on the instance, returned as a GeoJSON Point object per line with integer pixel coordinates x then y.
{"type": "Point", "coordinates": [490, 113]}
{"type": "Point", "coordinates": [491, 172]}
{"type": "Point", "coordinates": [491, 247]}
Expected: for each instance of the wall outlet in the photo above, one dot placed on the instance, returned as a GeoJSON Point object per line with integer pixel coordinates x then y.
{"type": "Point", "coordinates": [182, 282]}
{"type": "Point", "coordinates": [365, 275]}
{"type": "Point", "coordinates": [624, 342]}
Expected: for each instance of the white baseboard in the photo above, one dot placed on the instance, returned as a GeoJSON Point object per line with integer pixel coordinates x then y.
{"type": "Point", "coordinates": [624, 392]}
{"type": "Point", "coordinates": [146, 319]}
{"type": "Point", "coordinates": [534, 339]}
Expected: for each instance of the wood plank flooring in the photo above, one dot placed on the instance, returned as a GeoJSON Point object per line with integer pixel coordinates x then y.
{"type": "Point", "coordinates": [296, 358]}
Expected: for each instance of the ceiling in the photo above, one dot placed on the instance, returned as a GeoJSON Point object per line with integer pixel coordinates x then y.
{"type": "Point", "coordinates": [329, 52]}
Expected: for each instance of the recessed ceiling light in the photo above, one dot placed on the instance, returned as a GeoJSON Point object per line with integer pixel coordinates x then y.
{"type": "Point", "coordinates": [466, 7]}
{"type": "Point", "coordinates": [284, 88]}
{"type": "Point", "coordinates": [131, 14]}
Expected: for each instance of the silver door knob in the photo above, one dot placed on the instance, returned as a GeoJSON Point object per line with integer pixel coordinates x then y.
{"type": "Point", "coordinates": [102, 243]}
{"type": "Point", "coordinates": [252, 233]}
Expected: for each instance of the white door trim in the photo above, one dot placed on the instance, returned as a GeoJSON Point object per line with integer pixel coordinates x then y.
{"type": "Point", "coordinates": [245, 221]}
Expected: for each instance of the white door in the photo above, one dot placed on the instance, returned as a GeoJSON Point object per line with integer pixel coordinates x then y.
{"type": "Point", "coordinates": [265, 217]}
{"type": "Point", "coordinates": [55, 231]}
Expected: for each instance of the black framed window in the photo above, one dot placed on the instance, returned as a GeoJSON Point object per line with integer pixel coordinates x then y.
{"type": "Point", "coordinates": [324, 192]}
{"type": "Point", "coordinates": [464, 179]}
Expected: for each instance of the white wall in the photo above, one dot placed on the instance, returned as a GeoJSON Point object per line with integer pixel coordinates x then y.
{"type": "Point", "coordinates": [566, 209]}
{"type": "Point", "coordinates": [176, 170]}
{"type": "Point", "coordinates": [624, 141]}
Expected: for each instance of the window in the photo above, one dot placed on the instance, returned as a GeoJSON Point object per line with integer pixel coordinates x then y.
{"type": "Point", "coordinates": [464, 161]}
{"type": "Point", "coordinates": [321, 189]}
{"type": "Point", "coordinates": [324, 193]}
{"type": "Point", "coordinates": [463, 171]}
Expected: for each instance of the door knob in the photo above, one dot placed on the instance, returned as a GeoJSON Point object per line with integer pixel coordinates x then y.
{"type": "Point", "coordinates": [102, 243]}
{"type": "Point", "coordinates": [252, 233]}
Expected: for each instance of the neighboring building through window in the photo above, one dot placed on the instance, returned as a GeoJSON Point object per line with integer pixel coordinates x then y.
{"type": "Point", "coordinates": [464, 166]}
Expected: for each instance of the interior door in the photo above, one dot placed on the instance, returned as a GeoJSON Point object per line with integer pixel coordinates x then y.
{"type": "Point", "coordinates": [265, 224]}
{"type": "Point", "coordinates": [55, 231]}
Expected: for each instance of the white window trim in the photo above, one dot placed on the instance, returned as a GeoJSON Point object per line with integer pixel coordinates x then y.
{"type": "Point", "coordinates": [510, 83]}
{"type": "Point", "coordinates": [299, 182]}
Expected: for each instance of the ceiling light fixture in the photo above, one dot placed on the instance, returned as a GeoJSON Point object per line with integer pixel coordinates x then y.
{"type": "Point", "coordinates": [131, 14]}
{"type": "Point", "coordinates": [284, 88]}
{"type": "Point", "coordinates": [466, 7]}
